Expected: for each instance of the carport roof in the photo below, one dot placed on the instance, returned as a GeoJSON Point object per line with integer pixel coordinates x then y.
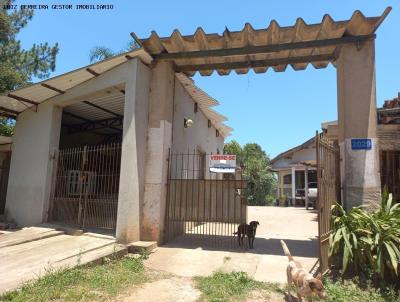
{"type": "Point", "coordinates": [259, 49]}
{"type": "Point", "coordinates": [13, 103]}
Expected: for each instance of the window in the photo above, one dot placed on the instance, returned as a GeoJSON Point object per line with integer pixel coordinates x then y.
{"type": "Point", "coordinates": [80, 182]}
{"type": "Point", "coordinates": [287, 179]}
{"type": "Point", "coordinates": [201, 165]}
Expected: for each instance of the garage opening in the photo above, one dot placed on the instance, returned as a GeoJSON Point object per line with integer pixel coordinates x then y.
{"type": "Point", "coordinates": [86, 176]}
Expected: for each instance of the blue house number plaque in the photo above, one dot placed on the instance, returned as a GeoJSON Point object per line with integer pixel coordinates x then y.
{"type": "Point", "coordinates": [361, 144]}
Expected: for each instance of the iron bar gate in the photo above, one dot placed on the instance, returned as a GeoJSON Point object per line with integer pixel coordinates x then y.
{"type": "Point", "coordinates": [203, 208]}
{"type": "Point", "coordinates": [85, 186]}
{"type": "Point", "coordinates": [4, 173]}
{"type": "Point", "coordinates": [328, 175]}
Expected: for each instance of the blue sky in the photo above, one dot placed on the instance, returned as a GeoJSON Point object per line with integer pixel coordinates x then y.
{"type": "Point", "coordinates": [276, 110]}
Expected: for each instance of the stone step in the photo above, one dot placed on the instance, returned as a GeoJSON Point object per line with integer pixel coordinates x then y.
{"type": "Point", "coordinates": [68, 230]}
{"type": "Point", "coordinates": [141, 246]}
{"type": "Point", "coordinates": [27, 235]}
{"type": "Point", "coordinates": [95, 256]}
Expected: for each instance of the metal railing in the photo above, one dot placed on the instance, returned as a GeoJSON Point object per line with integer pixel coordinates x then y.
{"type": "Point", "coordinates": [86, 184]}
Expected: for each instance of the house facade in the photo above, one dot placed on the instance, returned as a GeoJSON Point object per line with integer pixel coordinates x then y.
{"type": "Point", "coordinates": [91, 147]}
{"type": "Point", "coordinates": [296, 167]}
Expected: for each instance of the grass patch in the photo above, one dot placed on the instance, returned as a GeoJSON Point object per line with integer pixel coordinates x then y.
{"type": "Point", "coordinates": [225, 287]}
{"type": "Point", "coordinates": [84, 283]}
{"type": "Point", "coordinates": [344, 291]}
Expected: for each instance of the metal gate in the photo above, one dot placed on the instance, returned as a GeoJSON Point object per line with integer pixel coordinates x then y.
{"type": "Point", "coordinates": [203, 208]}
{"type": "Point", "coordinates": [85, 186]}
{"type": "Point", "coordinates": [328, 174]}
{"type": "Point", "coordinates": [4, 172]}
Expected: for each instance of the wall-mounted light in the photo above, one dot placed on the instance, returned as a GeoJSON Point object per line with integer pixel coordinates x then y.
{"type": "Point", "coordinates": [187, 122]}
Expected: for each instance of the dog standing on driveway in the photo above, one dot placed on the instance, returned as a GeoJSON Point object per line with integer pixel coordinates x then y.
{"type": "Point", "coordinates": [248, 230]}
{"type": "Point", "coordinates": [306, 284]}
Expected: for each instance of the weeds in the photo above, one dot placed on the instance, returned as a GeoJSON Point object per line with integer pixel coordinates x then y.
{"type": "Point", "coordinates": [85, 283]}
{"type": "Point", "coordinates": [235, 286]}
{"type": "Point", "coordinates": [345, 291]}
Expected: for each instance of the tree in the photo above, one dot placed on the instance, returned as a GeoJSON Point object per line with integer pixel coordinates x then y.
{"type": "Point", "coordinates": [99, 53]}
{"type": "Point", "coordinates": [261, 182]}
{"type": "Point", "coordinates": [18, 66]}
{"type": "Point", "coordinates": [233, 147]}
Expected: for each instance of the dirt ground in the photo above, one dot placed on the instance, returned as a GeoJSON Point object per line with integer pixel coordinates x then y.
{"type": "Point", "coordinates": [178, 261]}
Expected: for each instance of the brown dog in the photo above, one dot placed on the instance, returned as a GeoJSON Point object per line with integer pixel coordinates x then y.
{"type": "Point", "coordinates": [306, 284]}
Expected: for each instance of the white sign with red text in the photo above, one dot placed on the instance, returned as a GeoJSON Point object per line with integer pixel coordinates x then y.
{"type": "Point", "coordinates": [222, 163]}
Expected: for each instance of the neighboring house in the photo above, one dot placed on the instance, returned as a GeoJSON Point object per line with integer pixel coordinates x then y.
{"type": "Point", "coordinates": [5, 156]}
{"type": "Point", "coordinates": [100, 136]}
{"type": "Point", "coordinates": [292, 164]}
{"type": "Point", "coordinates": [295, 168]}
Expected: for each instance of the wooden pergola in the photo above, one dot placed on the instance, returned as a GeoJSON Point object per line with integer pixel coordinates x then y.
{"type": "Point", "coordinates": [259, 49]}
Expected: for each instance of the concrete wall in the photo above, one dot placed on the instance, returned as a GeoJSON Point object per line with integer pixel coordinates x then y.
{"type": "Point", "coordinates": [159, 142]}
{"type": "Point", "coordinates": [357, 118]}
{"type": "Point", "coordinates": [35, 139]}
{"type": "Point", "coordinates": [134, 148]}
{"type": "Point", "coordinates": [199, 136]}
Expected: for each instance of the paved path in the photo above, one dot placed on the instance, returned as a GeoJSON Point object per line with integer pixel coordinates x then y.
{"type": "Point", "coordinates": [30, 252]}
{"type": "Point", "coordinates": [297, 226]}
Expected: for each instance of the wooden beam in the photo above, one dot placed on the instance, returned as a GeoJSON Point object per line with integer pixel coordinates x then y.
{"type": "Point", "coordinates": [253, 64]}
{"type": "Point", "coordinates": [252, 50]}
{"type": "Point", "coordinates": [52, 88]}
{"type": "Point", "coordinates": [21, 99]}
{"type": "Point", "coordinates": [9, 110]}
{"type": "Point", "coordinates": [91, 71]}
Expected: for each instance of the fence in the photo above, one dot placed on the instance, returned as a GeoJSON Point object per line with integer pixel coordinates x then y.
{"type": "Point", "coordinates": [204, 207]}
{"type": "Point", "coordinates": [85, 186]}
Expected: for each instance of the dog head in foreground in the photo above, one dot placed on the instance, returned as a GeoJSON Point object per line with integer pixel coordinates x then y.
{"type": "Point", "coordinates": [317, 287]}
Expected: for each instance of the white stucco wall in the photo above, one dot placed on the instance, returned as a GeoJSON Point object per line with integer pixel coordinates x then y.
{"type": "Point", "coordinates": [199, 136]}
{"type": "Point", "coordinates": [35, 139]}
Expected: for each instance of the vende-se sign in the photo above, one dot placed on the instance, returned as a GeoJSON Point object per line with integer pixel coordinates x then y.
{"type": "Point", "coordinates": [222, 163]}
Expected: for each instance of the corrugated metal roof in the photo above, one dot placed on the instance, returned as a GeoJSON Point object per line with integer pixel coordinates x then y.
{"type": "Point", "coordinates": [205, 101]}
{"type": "Point", "coordinates": [274, 46]}
{"type": "Point", "coordinates": [27, 97]}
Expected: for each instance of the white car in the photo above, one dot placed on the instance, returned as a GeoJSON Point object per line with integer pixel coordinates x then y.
{"type": "Point", "coordinates": [312, 193]}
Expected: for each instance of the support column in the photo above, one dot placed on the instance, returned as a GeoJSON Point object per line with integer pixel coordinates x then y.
{"type": "Point", "coordinates": [159, 143]}
{"type": "Point", "coordinates": [36, 137]}
{"type": "Point", "coordinates": [131, 187]}
{"type": "Point", "coordinates": [357, 119]}
{"type": "Point", "coordinates": [306, 186]}
{"type": "Point", "coordinates": [293, 186]}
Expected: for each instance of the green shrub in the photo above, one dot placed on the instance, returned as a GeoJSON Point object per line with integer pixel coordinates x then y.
{"type": "Point", "coordinates": [367, 242]}
{"type": "Point", "coordinates": [346, 291]}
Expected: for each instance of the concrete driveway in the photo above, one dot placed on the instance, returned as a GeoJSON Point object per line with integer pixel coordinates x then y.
{"type": "Point", "coordinates": [33, 251]}
{"type": "Point", "coordinates": [297, 226]}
